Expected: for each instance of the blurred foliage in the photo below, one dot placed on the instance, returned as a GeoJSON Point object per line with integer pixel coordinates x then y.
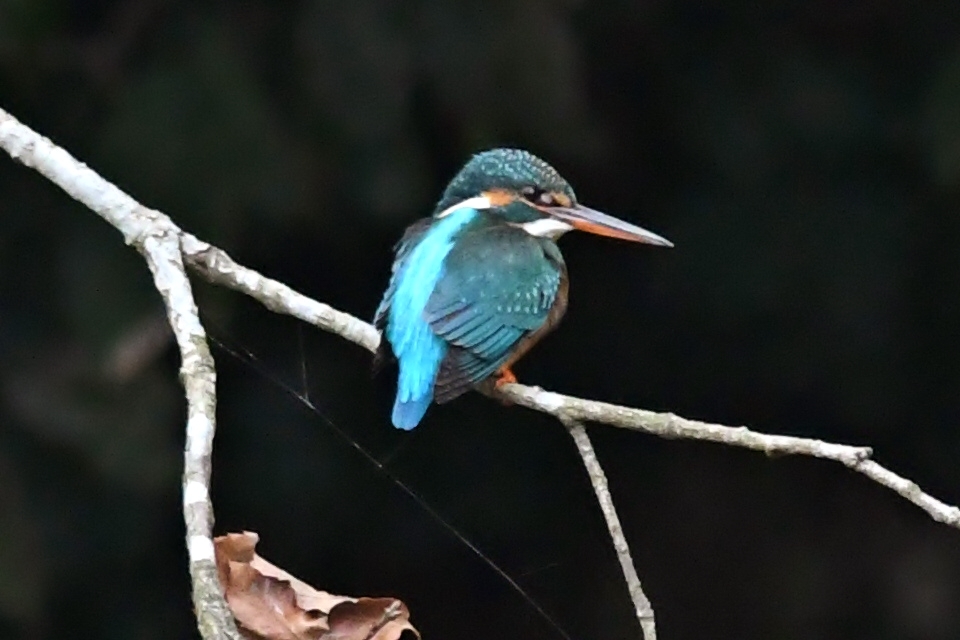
{"type": "Point", "coordinates": [805, 158]}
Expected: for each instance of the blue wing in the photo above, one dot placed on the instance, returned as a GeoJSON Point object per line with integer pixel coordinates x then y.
{"type": "Point", "coordinates": [498, 287]}
{"type": "Point", "coordinates": [402, 252]}
{"type": "Point", "coordinates": [419, 351]}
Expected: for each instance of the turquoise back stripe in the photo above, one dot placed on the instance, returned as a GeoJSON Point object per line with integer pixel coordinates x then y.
{"type": "Point", "coordinates": [418, 350]}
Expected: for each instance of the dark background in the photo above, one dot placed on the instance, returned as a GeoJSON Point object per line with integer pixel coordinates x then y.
{"type": "Point", "coordinates": [804, 157]}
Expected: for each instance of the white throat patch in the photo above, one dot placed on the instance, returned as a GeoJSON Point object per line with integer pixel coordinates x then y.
{"type": "Point", "coordinates": [546, 228]}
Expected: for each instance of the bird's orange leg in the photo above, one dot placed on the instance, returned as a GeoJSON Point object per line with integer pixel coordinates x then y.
{"type": "Point", "coordinates": [505, 376]}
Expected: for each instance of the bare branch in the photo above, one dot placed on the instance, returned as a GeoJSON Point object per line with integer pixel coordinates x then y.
{"type": "Point", "coordinates": [166, 248]}
{"type": "Point", "coordinates": [215, 265]}
{"type": "Point", "coordinates": [219, 268]}
{"type": "Point", "coordinates": [641, 604]}
{"type": "Point", "coordinates": [158, 240]}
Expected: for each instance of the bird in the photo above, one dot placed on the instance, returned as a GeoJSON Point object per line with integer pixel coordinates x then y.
{"type": "Point", "coordinates": [474, 286]}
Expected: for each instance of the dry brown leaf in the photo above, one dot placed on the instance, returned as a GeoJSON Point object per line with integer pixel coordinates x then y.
{"type": "Point", "coordinates": [369, 619]}
{"type": "Point", "coordinates": [270, 604]}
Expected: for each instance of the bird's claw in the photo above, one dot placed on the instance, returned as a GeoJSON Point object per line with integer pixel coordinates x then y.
{"type": "Point", "coordinates": [505, 377]}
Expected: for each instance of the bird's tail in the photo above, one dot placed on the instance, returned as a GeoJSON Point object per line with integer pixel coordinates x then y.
{"type": "Point", "coordinates": [408, 413]}
{"type": "Point", "coordinates": [420, 354]}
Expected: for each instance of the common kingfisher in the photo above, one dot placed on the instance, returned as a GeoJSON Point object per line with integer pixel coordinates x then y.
{"type": "Point", "coordinates": [477, 284]}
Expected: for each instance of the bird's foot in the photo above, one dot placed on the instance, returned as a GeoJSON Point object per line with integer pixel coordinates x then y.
{"type": "Point", "coordinates": [491, 385]}
{"type": "Point", "coordinates": [505, 377]}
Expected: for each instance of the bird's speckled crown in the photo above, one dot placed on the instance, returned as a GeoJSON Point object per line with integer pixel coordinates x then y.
{"type": "Point", "coordinates": [510, 169]}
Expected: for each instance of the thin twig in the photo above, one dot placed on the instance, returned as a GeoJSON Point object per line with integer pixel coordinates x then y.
{"type": "Point", "coordinates": [641, 604]}
{"type": "Point", "coordinates": [158, 240]}
{"type": "Point", "coordinates": [219, 268]}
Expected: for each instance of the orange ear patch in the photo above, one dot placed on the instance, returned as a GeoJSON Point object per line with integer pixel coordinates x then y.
{"type": "Point", "coordinates": [499, 197]}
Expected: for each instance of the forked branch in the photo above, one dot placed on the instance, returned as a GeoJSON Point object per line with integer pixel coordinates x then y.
{"type": "Point", "coordinates": [168, 250]}
{"type": "Point", "coordinates": [158, 240]}
{"type": "Point", "coordinates": [218, 267]}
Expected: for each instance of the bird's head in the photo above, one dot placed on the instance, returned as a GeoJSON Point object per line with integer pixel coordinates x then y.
{"type": "Point", "coordinates": [525, 191]}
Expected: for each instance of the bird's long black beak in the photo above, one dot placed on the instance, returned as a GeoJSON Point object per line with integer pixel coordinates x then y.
{"type": "Point", "coordinates": [593, 221]}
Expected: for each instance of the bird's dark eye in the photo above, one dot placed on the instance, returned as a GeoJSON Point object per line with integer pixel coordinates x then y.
{"type": "Point", "coordinates": [538, 196]}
